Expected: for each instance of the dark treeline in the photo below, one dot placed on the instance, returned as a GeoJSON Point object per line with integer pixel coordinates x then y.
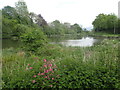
{"type": "Point", "coordinates": [107, 23]}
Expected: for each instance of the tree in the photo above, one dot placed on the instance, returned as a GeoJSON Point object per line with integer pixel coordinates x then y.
{"type": "Point", "coordinates": [77, 28]}
{"type": "Point", "coordinates": [112, 23]}
{"type": "Point", "coordinates": [21, 8]}
{"type": "Point", "coordinates": [40, 20]}
{"type": "Point", "coordinates": [9, 12]}
{"type": "Point", "coordinates": [106, 23]}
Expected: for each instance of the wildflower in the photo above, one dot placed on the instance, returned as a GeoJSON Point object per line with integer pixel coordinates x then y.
{"type": "Point", "coordinates": [45, 65]}
{"type": "Point", "coordinates": [38, 73]}
{"type": "Point", "coordinates": [50, 69]}
{"type": "Point", "coordinates": [33, 81]}
{"type": "Point", "coordinates": [34, 76]}
{"type": "Point", "coordinates": [52, 78]}
{"type": "Point", "coordinates": [50, 65]}
{"type": "Point", "coordinates": [45, 60]}
{"type": "Point", "coordinates": [45, 77]}
{"type": "Point", "coordinates": [31, 68]}
{"type": "Point", "coordinates": [42, 73]}
{"type": "Point", "coordinates": [28, 64]}
{"type": "Point", "coordinates": [46, 71]}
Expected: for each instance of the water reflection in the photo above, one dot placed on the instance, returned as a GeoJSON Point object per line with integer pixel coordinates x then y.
{"type": "Point", "coordinates": [64, 40]}
{"type": "Point", "coordinates": [84, 42]}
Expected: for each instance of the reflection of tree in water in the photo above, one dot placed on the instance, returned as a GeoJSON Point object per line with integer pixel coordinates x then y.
{"type": "Point", "coordinates": [59, 38]}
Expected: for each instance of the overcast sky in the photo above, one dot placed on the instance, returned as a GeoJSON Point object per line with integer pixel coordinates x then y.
{"type": "Point", "coordinates": [82, 12]}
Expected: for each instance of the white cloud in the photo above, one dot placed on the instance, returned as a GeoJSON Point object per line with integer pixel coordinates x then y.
{"type": "Point", "coordinates": [82, 12]}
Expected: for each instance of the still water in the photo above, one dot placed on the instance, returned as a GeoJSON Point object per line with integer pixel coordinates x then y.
{"type": "Point", "coordinates": [81, 41]}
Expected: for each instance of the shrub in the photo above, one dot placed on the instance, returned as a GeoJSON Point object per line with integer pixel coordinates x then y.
{"type": "Point", "coordinates": [33, 40]}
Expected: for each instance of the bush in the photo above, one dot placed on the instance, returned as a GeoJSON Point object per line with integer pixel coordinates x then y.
{"type": "Point", "coordinates": [33, 40]}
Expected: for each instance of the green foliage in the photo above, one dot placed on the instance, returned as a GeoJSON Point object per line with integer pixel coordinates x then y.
{"type": "Point", "coordinates": [82, 77]}
{"type": "Point", "coordinates": [21, 8]}
{"type": "Point", "coordinates": [7, 31]}
{"type": "Point", "coordinates": [90, 67]}
{"type": "Point", "coordinates": [33, 40]}
{"type": "Point", "coordinates": [106, 23]}
{"type": "Point", "coordinates": [57, 28]}
{"type": "Point", "coordinates": [13, 23]}
{"type": "Point", "coordinates": [66, 67]}
{"type": "Point", "coordinates": [9, 12]}
{"type": "Point", "coordinates": [77, 28]}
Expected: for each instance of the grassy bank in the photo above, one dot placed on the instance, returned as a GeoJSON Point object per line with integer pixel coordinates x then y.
{"type": "Point", "coordinates": [105, 35]}
{"type": "Point", "coordinates": [63, 67]}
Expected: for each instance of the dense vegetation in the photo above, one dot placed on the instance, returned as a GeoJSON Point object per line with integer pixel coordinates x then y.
{"type": "Point", "coordinates": [63, 67]}
{"type": "Point", "coordinates": [16, 21]}
{"type": "Point", "coordinates": [57, 28]}
{"type": "Point", "coordinates": [107, 23]}
{"type": "Point", "coordinates": [38, 64]}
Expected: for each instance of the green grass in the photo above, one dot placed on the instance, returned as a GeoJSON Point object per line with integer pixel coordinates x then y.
{"type": "Point", "coordinates": [77, 67]}
{"type": "Point", "coordinates": [105, 34]}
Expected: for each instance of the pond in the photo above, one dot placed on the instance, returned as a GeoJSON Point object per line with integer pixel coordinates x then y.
{"type": "Point", "coordinates": [66, 41]}
{"type": "Point", "coordinates": [82, 42]}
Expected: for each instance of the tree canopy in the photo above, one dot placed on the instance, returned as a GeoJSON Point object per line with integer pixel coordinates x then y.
{"type": "Point", "coordinates": [106, 23]}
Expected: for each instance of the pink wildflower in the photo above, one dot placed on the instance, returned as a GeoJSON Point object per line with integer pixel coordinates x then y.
{"type": "Point", "coordinates": [42, 73]}
{"type": "Point", "coordinates": [45, 65]}
{"type": "Point", "coordinates": [50, 65]}
{"type": "Point", "coordinates": [45, 77]}
{"type": "Point", "coordinates": [52, 78]}
{"type": "Point", "coordinates": [38, 73]}
{"type": "Point", "coordinates": [34, 76]}
{"type": "Point", "coordinates": [33, 81]}
{"type": "Point", "coordinates": [50, 69]}
{"type": "Point", "coordinates": [31, 68]}
{"type": "Point", "coordinates": [46, 71]}
{"type": "Point", "coordinates": [45, 60]}
{"type": "Point", "coordinates": [28, 64]}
